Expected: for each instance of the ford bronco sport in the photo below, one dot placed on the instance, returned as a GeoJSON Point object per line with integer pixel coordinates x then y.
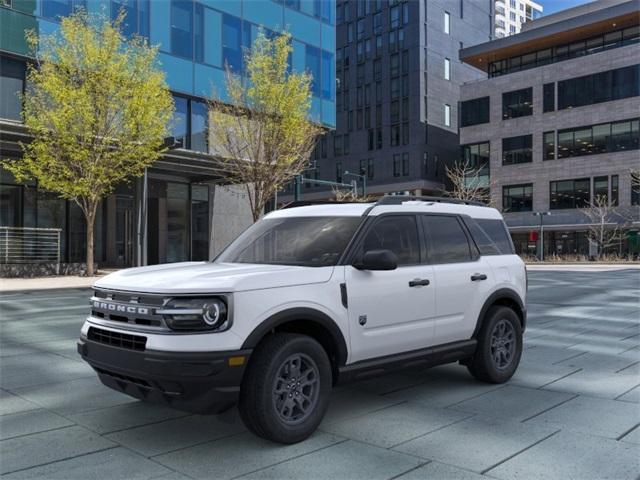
{"type": "Point", "coordinates": [310, 296]}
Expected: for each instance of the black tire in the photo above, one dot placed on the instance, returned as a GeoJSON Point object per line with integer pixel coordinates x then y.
{"type": "Point", "coordinates": [494, 363]}
{"type": "Point", "coordinates": [263, 405]}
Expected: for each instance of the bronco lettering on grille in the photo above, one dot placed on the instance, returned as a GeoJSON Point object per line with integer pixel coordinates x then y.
{"type": "Point", "coordinates": [118, 307]}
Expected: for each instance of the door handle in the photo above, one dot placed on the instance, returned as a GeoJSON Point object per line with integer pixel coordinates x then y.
{"type": "Point", "coordinates": [418, 282]}
{"type": "Point", "coordinates": [478, 276]}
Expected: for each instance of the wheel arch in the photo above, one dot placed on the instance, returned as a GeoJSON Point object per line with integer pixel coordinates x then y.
{"type": "Point", "coordinates": [505, 297]}
{"type": "Point", "coordinates": [308, 321]}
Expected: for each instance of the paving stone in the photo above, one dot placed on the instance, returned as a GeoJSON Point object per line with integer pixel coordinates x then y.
{"type": "Point", "coordinates": [477, 443]}
{"type": "Point", "coordinates": [40, 448]}
{"type": "Point", "coordinates": [350, 460]}
{"type": "Point", "coordinates": [10, 403]}
{"type": "Point", "coordinates": [9, 349]}
{"type": "Point", "coordinates": [440, 471]}
{"type": "Point", "coordinates": [573, 456]}
{"type": "Point", "coordinates": [597, 362]}
{"type": "Point", "coordinates": [596, 384]}
{"type": "Point", "coordinates": [392, 382]}
{"type": "Point", "coordinates": [596, 416]}
{"type": "Point", "coordinates": [34, 421]}
{"type": "Point", "coordinates": [633, 436]}
{"type": "Point", "coordinates": [240, 454]}
{"type": "Point", "coordinates": [535, 376]}
{"type": "Point", "coordinates": [396, 424]}
{"type": "Point", "coordinates": [74, 396]}
{"type": "Point", "coordinates": [40, 368]}
{"type": "Point", "coordinates": [176, 434]}
{"type": "Point", "coordinates": [544, 355]}
{"type": "Point", "coordinates": [513, 403]}
{"type": "Point", "coordinates": [632, 395]}
{"type": "Point", "coordinates": [122, 417]}
{"type": "Point", "coordinates": [350, 403]}
{"type": "Point", "coordinates": [447, 387]}
{"type": "Point", "coordinates": [115, 463]}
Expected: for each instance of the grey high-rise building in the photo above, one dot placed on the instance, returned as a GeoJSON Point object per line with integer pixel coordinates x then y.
{"type": "Point", "coordinates": [398, 82]}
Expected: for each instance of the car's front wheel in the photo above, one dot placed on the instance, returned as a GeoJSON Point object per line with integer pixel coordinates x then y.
{"type": "Point", "coordinates": [499, 346]}
{"type": "Point", "coordinates": [285, 391]}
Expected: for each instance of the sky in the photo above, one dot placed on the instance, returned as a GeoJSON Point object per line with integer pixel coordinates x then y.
{"type": "Point", "coordinates": [553, 6]}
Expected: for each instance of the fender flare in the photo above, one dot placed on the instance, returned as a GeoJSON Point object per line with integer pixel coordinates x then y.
{"type": "Point", "coordinates": [502, 294]}
{"type": "Point", "coordinates": [305, 314]}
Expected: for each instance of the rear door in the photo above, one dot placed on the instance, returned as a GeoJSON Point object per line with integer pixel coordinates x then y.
{"type": "Point", "coordinates": [391, 311]}
{"type": "Point", "coordinates": [462, 277]}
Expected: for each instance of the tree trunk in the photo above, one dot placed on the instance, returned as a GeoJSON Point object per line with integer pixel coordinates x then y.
{"type": "Point", "coordinates": [90, 269]}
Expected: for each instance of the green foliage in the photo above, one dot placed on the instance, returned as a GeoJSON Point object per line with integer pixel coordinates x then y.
{"type": "Point", "coordinates": [263, 131]}
{"type": "Point", "coordinates": [98, 108]}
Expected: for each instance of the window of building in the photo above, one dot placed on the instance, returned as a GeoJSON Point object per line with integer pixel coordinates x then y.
{"type": "Point", "coordinates": [337, 145]}
{"type": "Point", "coordinates": [601, 188]}
{"type": "Point", "coordinates": [180, 122]}
{"type": "Point", "coordinates": [394, 111]}
{"type": "Point", "coordinates": [12, 80]}
{"type": "Point", "coordinates": [474, 112]}
{"type": "Point", "coordinates": [405, 133]}
{"type": "Point", "coordinates": [182, 29]}
{"type": "Point", "coordinates": [517, 198]}
{"type": "Point", "coordinates": [377, 23]}
{"type": "Point", "coordinates": [447, 23]}
{"type": "Point", "coordinates": [549, 145]}
{"type": "Point", "coordinates": [339, 172]}
{"type": "Point", "coordinates": [394, 17]}
{"type": "Point", "coordinates": [615, 190]}
{"type": "Point", "coordinates": [405, 164]}
{"type": "Point", "coordinates": [398, 233]}
{"type": "Point", "coordinates": [199, 126]}
{"type": "Point", "coordinates": [136, 20]}
{"type": "Point", "coordinates": [394, 65]}
{"type": "Point", "coordinates": [54, 10]}
{"type": "Point", "coordinates": [517, 103]}
{"type": "Point", "coordinates": [635, 189]}
{"type": "Point", "coordinates": [345, 144]}
{"type": "Point", "coordinates": [360, 29]}
{"type": "Point", "coordinates": [447, 69]}
{"type": "Point", "coordinates": [377, 70]}
{"type": "Point", "coordinates": [570, 193]}
{"type": "Point", "coordinates": [517, 150]}
{"type": "Point", "coordinates": [378, 51]}
{"type": "Point", "coordinates": [447, 242]}
{"type": "Point", "coordinates": [397, 167]}
{"type": "Point", "coordinates": [476, 156]}
{"type": "Point", "coordinates": [371, 139]}
{"type": "Point", "coordinates": [378, 115]}
{"type": "Point", "coordinates": [395, 88]}
{"type": "Point", "coordinates": [549, 97]}
{"type": "Point", "coordinates": [447, 115]}
{"type": "Point", "coordinates": [602, 138]}
{"type": "Point", "coordinates": [395, 135]}
{"type": "Point", "coordinates": [312, 61]}
{"type": "Point", "coordinates": [378, 139]}
{"type": "Point", "coordinates": [600, 87]}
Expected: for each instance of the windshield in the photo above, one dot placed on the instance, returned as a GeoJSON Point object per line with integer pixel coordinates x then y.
{"type": "Point", "coordinates": [303, 241]}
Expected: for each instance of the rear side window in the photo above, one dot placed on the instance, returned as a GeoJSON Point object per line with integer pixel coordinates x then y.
{"type": "Point", "coordinates": [398, 233]}
{"type": "Point", "coordinates": [485, 245]}
{"type": "Point", "coordinates": [447, 242]}
{"type": "Point", "coordinates": [497, 232]}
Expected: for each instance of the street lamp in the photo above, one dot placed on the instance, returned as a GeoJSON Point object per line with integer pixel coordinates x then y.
{"type": "Point", "coordinates": [541, 215]}
{"type": "Point", "coordinates": [364, 181]}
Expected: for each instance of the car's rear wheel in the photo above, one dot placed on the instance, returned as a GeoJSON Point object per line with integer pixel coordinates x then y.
{"type": "Point", "coordinates": [285, 391]}
{"type": "Point", "coordinates": [499, 346]}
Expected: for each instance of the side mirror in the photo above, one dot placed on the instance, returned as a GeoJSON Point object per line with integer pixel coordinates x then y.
{"type": "Point", "coordinates": [378, 260]}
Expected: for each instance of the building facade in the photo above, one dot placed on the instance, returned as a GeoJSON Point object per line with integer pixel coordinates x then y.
{"type": "Point", "coordinates": [175, 212]}
{"type": "Point", "coordinates": [398, 80]}
{"type": "Point", "coordinates": [554, 124]}
{"type": "Point", "coordinates": [510, 15]}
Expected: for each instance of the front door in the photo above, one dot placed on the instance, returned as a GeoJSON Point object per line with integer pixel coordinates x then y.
{"type": "Point", "coordinates": [391, 311]}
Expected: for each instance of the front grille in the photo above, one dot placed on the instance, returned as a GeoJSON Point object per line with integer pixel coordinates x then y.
{"type": "Point", "coordinates": [129, 308]}
{"type": "Point", "coordinates": [117, 339]}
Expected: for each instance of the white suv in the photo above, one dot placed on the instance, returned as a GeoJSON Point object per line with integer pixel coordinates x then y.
{"type": "Point", "coordinates": [310, 296]}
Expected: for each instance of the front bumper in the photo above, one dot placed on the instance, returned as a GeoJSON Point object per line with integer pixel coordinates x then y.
{"type": "Point", "coordinates": [197, 382]}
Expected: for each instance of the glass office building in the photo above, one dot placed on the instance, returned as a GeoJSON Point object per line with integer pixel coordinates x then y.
{"type": "Point", "coordinates": [167, 216]}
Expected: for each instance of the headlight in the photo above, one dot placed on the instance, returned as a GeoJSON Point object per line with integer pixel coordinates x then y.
{"type": "Point", "coordinates": [196, 314]}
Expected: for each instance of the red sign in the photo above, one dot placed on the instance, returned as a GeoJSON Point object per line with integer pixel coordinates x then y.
{"type": "Point", "coordinates": [533, 236]}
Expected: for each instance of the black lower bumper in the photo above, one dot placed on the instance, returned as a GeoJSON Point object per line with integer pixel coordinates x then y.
{"type": "Point", "coordinates": [193, 382]}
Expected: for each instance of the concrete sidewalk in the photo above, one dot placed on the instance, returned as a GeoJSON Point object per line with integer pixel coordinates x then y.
{"type": "Point", "coordinates": [48, 283]}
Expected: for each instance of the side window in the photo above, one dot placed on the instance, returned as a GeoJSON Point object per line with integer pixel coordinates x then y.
{"type": "Point", "coordinates": [497, 232]}
{"type": "Point", "coordinates": [398, 233]}
{"type": "Point", "coordinates": [447, 242]}
{"type": "Point", "coordinates": [485, 245]}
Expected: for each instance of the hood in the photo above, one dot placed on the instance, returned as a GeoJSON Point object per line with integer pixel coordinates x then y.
{"type": "Point", "coordinates": [207, 277]}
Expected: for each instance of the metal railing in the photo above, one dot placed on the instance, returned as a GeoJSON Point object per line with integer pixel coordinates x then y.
{"type": "Point", "coordinates": [30, 245]}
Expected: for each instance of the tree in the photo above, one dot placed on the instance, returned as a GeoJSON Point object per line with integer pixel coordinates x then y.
{"type": "Point", "coordinates": [262, 131]}
{"type": "Point", "coordinates": [605, 223]}
{"type": "Point", "coordinates": [468, 183]}
{"type": "Point", "coordinates": [98, 109]}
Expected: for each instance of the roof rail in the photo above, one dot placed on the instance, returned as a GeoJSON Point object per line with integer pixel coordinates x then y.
{"type": "Point", "coordinates": [306, 203]}
{"type": "Point", "coordinates": [399, 199]}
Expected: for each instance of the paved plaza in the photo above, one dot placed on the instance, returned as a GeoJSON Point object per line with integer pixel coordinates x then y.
{"type": "Point", "coordinates": [572, 411]}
